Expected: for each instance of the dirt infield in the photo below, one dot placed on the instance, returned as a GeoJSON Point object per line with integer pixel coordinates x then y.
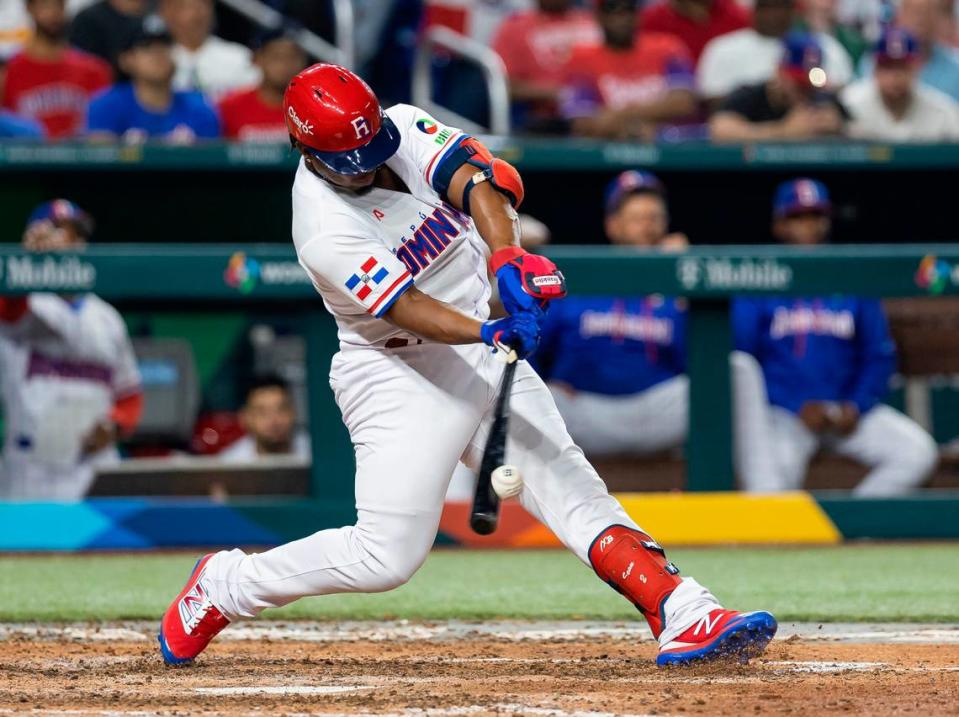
{"type": "Point", "coordinates": [430, 670]}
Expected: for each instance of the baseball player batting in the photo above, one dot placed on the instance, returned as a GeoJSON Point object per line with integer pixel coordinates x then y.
{"type": "Point", "coordinates": [396, 217]}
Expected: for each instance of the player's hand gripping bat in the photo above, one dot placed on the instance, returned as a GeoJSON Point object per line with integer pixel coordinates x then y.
{"type": "Point", "coordinates": [485, 513]}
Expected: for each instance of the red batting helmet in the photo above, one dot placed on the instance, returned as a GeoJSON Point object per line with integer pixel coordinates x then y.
{"type": "Point", "coordinates": [336, 116]}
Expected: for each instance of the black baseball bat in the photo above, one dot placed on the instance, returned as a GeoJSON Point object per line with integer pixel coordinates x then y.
{"type": "Point", "coordinates": [485, 513]}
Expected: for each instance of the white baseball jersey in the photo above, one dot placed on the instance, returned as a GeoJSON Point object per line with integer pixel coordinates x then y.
{"type": "Point", "coordinates": [362, 251]}
{"type": "Point", "coordinates": [415, 411]}
{"type": "Point", "coordinates": [63, 365]}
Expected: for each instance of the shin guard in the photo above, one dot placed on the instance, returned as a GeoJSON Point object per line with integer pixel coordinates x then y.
{"type": "Point", "coordinates": [634, 564]}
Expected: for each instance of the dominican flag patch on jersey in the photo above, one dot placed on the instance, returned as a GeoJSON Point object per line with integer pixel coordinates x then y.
{"type": "Point", "coordinates": [371, 274]}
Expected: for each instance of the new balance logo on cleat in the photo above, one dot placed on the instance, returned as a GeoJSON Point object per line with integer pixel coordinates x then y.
{"type": "Point", "coordinates": [720, 634]}
{"type": "Point", "coordinates": [191, 621]}
{"type": "Point", "coordinates": [193, 606]}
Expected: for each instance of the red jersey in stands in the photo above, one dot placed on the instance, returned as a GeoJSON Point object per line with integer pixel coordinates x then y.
{"type": "Point", "coordinates": [598, 75]}
{"type": "Point", "coordinates": [246, 117]}
{"type": "Point", "coordinates": [535, 46]}
{"type": "Point", "coordinates": [724, 16]}
{"type": "Point", "coordinates": [57, 93]}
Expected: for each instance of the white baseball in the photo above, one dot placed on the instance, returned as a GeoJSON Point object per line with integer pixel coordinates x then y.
{"type": "Point", "coordinates": [506, 481]}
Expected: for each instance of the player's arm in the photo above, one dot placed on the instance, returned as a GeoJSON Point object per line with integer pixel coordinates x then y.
{"type": "Point", "coordinates": [434, 320]}
{"type": "Point", "coordinates": [490, 190]}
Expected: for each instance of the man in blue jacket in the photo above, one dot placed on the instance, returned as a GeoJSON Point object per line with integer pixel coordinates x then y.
{"type": "Point", "coordinates": [826, 363]}
{"type": "Point", "coordinates": [616, 364]}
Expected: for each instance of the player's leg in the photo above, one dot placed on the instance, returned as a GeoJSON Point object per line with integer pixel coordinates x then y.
{"type": "Point", "coordinates": [563, 490]}
{"type": "Point", "coordinates": [653, 420]}
{"type": "Point", "coordinates": [793, 446]}
{"type": "Point", "coordinates": [409, 413]}
{"type": "Point", "coordinates": [899, 452]}
{"type": "Point", "coordinates": [753, 443]}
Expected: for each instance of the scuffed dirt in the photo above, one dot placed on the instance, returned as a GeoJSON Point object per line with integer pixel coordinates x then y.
{"type": "Point", "coordinates": [475, 676]}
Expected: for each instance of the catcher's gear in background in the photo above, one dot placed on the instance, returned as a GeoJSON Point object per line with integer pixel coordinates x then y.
{"type": "Point", "coordinates": [336, 116]}
{"type": "Point", "coordinates": [526, 281]}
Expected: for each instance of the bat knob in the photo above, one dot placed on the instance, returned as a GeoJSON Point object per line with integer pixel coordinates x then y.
{"type": "Point", "coordinates": [483, 523]}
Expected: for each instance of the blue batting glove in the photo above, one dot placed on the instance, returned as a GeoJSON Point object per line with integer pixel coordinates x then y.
{"type": "Point", "coordinates": [519, 332]}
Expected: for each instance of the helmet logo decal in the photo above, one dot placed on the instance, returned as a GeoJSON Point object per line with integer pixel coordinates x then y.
{"type": "Point", "coordinates": [361, 126]}
{"type": "Point", "coordinates": [304, 127]}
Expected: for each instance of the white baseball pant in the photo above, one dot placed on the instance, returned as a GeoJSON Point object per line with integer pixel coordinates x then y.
{"type": "Point", "coordinates": [656, 419]}
{"type": "Point", "coordinates": [413, 413]}
{"type": "Point", "coordinates": [774, 447]}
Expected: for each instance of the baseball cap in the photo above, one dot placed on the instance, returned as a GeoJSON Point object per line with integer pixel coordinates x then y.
{"type": "Point", "coordinates": [799, 196]}
{"type": "Point", "coordinates": [896, 45]}
{"type": "Point", "coordinates": [802, 59]}
{"type": "Point", "coordinates": [62, 211]}
{"type": "Point", "coordinates": [632, 181]}
{"type": "Point", "coordinates": [151, 30]}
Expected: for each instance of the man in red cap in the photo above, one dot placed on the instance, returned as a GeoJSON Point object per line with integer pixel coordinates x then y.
{"type": "Point", "coordinates": [397, 219]}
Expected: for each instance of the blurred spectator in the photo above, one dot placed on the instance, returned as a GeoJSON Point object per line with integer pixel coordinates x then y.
{"type": "Point", "coordinates": [749, 56]}
{"type": "Point", "coordinates": [825, 363]}
{"type": "Point", "coordinates": [819, 16]}
{"type": "Point", "coordinates": [925, 19]}
{"type": "Point", "coordinates": [205, 62]}
{"type": "Point", "coordinates": [615, 364]}
{"type": "Point", "coordinates": [892, 105]}
{"type": "Point", "coordinates": [105, 28]}
{"type": "Point", "coordinates": [14, 126]}
{"type": "Point", "coordinates": [270, 423]}
{"type": "Point", "coordinates": [793, 105]}
{"type": "Point", "coordinates": [631, 84]}
{"type": "Point", "coordinates": [147, 106]}
{"type": "Point", "coordinates": [535, 47]}
{"type": "Point", "coordinates": [48, 81]}
{"type": "Point", "coordinates": [695, 22]}
{"type": "Point", "coordinates": [70, 383]}
{"type": "Point", "coordinates": [256, 115]}
{"type": "Point", "coordinates": [14, 28]}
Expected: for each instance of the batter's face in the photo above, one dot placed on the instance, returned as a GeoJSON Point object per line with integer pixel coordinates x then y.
{"type": "Point", "coordinates": [353, 182]}
{"type": "Point", "coordinates": [269, 418]}
{"type": "Point", "coordinates": [641, 220]}
{"type": "Point", "coordinates": [807, 229]}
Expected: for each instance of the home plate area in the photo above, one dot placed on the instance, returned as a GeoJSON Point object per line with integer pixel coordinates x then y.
{"type": "Point", "coordinates": [433, 669]}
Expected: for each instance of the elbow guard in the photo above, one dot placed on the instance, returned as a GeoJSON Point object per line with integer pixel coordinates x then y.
{"type": "Point", "coordinates": [501, 175]}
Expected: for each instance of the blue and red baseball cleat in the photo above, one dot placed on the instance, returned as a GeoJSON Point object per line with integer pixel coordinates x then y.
{"type": "Point", "coordinates": [191, 621]}
{"type": "Point", "coordinates": [720, 634]}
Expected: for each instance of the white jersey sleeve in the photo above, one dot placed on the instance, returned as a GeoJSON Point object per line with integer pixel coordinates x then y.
{"type": "Point", "coordinates": [340, 256]}
{"type": "Point", "coordinates": [126, 371]}
{"type": "Point", "coordinates": [426, 144]}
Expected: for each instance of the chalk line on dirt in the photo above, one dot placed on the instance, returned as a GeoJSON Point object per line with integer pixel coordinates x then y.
{"type": "Point", "coordinates": [402, 630]}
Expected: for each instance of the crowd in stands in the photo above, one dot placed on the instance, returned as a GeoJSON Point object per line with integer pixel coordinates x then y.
{"type": "Point", "coordinates": [660, 70]}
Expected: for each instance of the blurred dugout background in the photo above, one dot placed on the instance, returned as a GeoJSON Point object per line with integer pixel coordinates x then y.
{"type": "Point", "coordinates": [201, 364]}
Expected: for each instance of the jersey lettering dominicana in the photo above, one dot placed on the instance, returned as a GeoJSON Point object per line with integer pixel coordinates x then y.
{"type": "Point", "coordinates": [362, 250]}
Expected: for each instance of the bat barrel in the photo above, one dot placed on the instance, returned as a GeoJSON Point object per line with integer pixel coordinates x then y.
{"type": "Point", "coordinates": [484, 523]}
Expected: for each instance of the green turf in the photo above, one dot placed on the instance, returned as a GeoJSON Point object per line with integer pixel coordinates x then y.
{"type": "Point", "coordinates": [858, 583]}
